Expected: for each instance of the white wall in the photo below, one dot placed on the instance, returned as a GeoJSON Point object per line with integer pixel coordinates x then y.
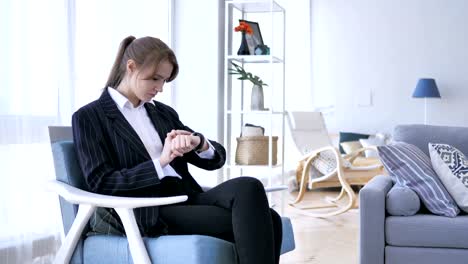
{"type": "Point", "coordinates": [297, 54]}
{"type": "Point", "coordinates": [380, 47]}
{"type": "Point", "coordinates": [196, 91]}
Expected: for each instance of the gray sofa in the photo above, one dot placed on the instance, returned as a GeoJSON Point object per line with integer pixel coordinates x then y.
{"type": "Point", "coordinates": [420, 238]}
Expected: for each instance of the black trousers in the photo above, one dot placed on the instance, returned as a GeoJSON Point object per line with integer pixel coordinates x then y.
{"type": "Point", "coordinates": [237, 211]}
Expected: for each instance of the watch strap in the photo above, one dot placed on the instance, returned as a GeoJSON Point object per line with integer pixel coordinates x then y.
{"type": "Point", "coordinates": [202, 141]}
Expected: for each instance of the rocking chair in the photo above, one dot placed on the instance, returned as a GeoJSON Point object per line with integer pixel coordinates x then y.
{"type": "Point", "coordinates": [311, 137]}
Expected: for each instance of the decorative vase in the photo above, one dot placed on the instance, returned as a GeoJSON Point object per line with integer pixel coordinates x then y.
{"type": "Point", "coordinates": [256, 98]}
{"type": "Point", "coordinates": [244, 48]}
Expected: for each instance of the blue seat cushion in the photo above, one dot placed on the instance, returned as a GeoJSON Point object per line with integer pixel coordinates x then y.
{"type": "Point", "coordinates": [164, 249]}
{"type": "Point", "coordinates": [182, 249]}
{"type": "Point", "coordinates": [399, 255]}
{"type": "Point", "coordinates": [427, 230]}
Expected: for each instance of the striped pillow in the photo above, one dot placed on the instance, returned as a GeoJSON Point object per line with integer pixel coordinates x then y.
{"type": "Point", "coordinates": [410, 167]}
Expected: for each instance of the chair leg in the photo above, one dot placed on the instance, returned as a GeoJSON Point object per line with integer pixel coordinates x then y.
{"type": "Point", "coordinates": [304, 181]}
{"type": "Point", "coordinates": [135, 242]}
{"type": "Point", "coordinates": [68, 246]}
{"type": "Point", "coordinates": [300, 195]}
{"type": "Point", "coordinates": [345, 190]}
{"type": "Point", "coordinates": [315, 206]}
{"type": "Point", "coordinates": [340, 210]}
{"type": "Point", "coordinates": [336, 199]}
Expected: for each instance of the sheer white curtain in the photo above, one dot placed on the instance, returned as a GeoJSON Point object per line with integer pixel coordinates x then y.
{"type": "Point", "coordinates": [34, 69]}
{"type": "Point", "coordinates": [100, 26]}
{"type": "Point", "coordinates": [56, 55]}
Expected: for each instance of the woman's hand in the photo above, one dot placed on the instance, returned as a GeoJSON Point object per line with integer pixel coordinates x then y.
{"type": "Point", "coordinates": [168, 154]}
{"type": "Point", "coordinates": [176, 144]}
{"type": "Point", "coordinates": [184, 141]}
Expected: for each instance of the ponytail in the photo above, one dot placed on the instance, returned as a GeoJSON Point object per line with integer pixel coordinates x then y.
{"type": "Point", "coordinates": [146, 52]}
{"type": "Point", "coordinates": [118, 69]}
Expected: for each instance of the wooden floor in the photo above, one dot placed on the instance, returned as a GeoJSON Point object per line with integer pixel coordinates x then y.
{"type": "Point", "coordinates": [322, 241]}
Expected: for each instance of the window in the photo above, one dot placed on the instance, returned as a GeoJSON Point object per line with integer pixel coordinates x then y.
{"type": "Point", "coordinates": [100, 26]}
{"type": "Point", "coordinates": [56, 56]}
{"type": "Point", "coordinates": [31, 51]}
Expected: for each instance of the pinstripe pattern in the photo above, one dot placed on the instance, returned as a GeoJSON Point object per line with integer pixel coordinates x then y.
{"type": "Point", "coordinates": [114, 161]}
{"type": "Point", "coordinates": [410, 167]}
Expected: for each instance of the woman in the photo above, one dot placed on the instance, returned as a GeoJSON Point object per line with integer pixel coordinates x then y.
{"type": "Point", "coordinates": [130, 145]}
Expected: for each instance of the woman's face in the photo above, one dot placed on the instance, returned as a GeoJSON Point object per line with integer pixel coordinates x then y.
{"type": "Point", "coordinates": [146, 83]}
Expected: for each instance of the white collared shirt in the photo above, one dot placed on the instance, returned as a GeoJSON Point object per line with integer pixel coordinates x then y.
{"type": "Point", "coordinates": [141, 123]}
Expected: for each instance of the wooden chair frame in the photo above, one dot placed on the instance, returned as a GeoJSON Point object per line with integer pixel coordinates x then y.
{"type": "Point", "coordinates": [341, 176]}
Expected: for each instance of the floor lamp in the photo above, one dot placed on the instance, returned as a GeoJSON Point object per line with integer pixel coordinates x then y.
{"type": "Point", "coordinates": [426, 88]}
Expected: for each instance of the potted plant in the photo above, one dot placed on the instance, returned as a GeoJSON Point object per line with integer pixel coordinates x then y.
{"type": "Point", "coordinates": [256, 100]}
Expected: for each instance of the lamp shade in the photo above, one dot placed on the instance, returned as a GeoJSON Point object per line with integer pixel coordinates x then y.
{"type": "Point", "coordinates": [426, 88]}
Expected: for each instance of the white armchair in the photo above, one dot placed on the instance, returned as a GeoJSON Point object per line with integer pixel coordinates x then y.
{"type": "Point", "coordinates": [71, 188]}
{"type": "Point", "coordinates": [124, 206]}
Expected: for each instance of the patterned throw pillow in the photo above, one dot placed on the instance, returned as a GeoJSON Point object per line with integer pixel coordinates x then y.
{"type": "Point", "coordinates": [452, 168]}
{"type": "Point", "coordinates": [326, 162]}
{"type": "Point", "coordinates": [410, 167]}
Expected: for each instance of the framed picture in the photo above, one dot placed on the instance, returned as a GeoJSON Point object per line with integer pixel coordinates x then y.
{"type": "Point", "coordinates": [254, 39]}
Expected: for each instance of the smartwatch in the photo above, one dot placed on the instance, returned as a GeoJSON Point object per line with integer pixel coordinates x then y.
{"type": "Point", "coordinates": [202, 141]}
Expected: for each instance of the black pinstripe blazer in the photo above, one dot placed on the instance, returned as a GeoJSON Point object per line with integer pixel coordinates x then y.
{"type": "Point", "coordinates": [114, 161]}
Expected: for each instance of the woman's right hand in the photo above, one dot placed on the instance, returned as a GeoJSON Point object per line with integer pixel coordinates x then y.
{"type": "Point", "coordinates": [168, 154]}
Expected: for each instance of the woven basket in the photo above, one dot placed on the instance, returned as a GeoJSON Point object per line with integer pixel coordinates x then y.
{"type": "Point", "coordinates": [254, 150]}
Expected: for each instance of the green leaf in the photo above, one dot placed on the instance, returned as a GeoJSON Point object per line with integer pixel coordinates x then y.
{"type": "Point", "coordinates": [244, 75]}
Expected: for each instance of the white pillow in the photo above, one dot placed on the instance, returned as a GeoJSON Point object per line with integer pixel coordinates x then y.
{"type": "Point", "coordinates": [452, 168]}
{"type": "Point", "coordinates": [372, 141]}
{"type": "Point", "coordinates": [350, 146]}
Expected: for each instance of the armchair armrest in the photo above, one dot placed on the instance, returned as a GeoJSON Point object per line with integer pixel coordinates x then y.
{"type": "Point", "coordinates": [123, 206]}
{"type": "Point", "coordinates": [77, 196]}
{"type": "Point", "coordinates": [372, 220]}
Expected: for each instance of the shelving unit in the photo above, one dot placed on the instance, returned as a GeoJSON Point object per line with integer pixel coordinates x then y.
{"type": "Point", "coordinates": [271, 69]}
{"type": "Point", "coordinates": [255, 58]}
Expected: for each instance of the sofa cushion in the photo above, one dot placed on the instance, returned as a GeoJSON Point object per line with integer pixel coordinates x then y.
{"type": "Point", "coordinates": [421, 135]}
{"type": "Point", "coordinates": [399, 255]}
{"type": "Point", "coordinates": [452, 168]}
{"type": "Point", "coordinates": [402, 201]}
{"type": "Point", "coordinates": [427, 230]}
{"type": "Point", "coordinates": [409, 166]}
